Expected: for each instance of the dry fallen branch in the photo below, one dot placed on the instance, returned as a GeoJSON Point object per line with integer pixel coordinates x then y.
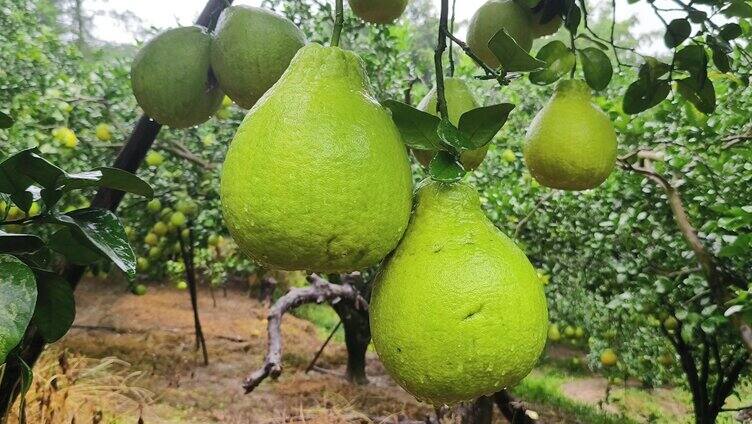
{"type": "Point", "coordinates": [319, 291]}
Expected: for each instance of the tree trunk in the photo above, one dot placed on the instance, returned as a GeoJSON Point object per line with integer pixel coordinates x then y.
{"type": "Point", "coordinates": [478, 412]}
{"type": "Point", "coordinates": [80, 24]}
{"type": "Point", "coordinates": [357, 338]}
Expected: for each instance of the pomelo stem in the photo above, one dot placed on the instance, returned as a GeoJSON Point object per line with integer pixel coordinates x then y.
{"type": "Point", "coordinates": [441, 105]}
{"type": "Point", "coordinates": [339, 18]}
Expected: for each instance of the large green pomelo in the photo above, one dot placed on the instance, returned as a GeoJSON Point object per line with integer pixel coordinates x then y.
{"type": "Point", "coordinates": [571, 143]}
{"type": "Point", "coordinates": [458, 311]}
{"type": "Point", "coordinates": [172, 80]}
{"type": "Point", "coordinates": [459, 100]}
{"type": "Point", "coordinates": [378, 11]}
{"type": "Point", "coordinates": [489, 19]}
{"type": "Point", "coordinates": [251, 49]}
{"type": "Point", "coordinates": [317, 176]}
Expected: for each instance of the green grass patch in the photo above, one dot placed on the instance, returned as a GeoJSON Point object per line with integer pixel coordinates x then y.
{"type": "Point", "coordinates": [323, 317]}
{"type": "Point", "coordinates": [544, 390]}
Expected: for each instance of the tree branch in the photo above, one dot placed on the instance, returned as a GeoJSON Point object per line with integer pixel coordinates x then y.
{"type": "Point", "coordinates": [319, 291]}
{"type": "Point", "coordinates": [179, 149]}
{"type": "Point", "coordinates": [716, 279]}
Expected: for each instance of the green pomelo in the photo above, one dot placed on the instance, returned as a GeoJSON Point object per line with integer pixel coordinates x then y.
{"type": "Point", "coordinates": [489, 19]}
{"type": "Point", "coordinates": [378, 11]}
{"type": "Point", "coordinates": [571, 143]}
{"type": "Point", "coordinates": [171, 78]}
{"type": "Point", "coordinates": [458, 311]}
{"type": "Point", "coordinates": [252, 47]}
{"type": "Point", "coordinates": [459, 100]}
{"type": "Point", "coordinates": [317, 177]}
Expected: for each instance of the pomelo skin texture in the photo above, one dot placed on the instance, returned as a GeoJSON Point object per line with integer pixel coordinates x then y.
{"type": "Point", "coordinates": [458, 311]}
{"type": "Point", "coordinates": [492, 17]}
{"type": "Point", "coordinates": [251, 48]}
{"type": "Point", "coordinates": [171, 78]}
{"type": "Point", "coordinates": [317, 177]}
{"type": "Point", "coordinates": [378, 11]}
{"type": "Point", "coordinates": [459, 100]}
{"type": "Point", "coordinates": [571, 143]}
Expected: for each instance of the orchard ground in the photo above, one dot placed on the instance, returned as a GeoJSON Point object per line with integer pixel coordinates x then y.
{"type": "Point", "coordinates": [123, 360]}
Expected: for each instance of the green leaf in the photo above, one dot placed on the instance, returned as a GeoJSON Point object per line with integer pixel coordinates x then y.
{"type": "Point", "coordinates": [730, 31]}
{"type": "Point", "coordinates": [653, 69]}
{"type": "Point", "coordinates": [677, 31]}
{"type": "Point", "coordinates": [721, 59]}
{"type": "Point", "coordinates": [697, 16]}
{"type": "Point", "coordinates": [572, 18]}
{"type": "Point", "coordinates": [19, 243]}
{"type": "Point", "coordinates": [559, 61]}
{"type": "Point", "coordinates": [113, 178]}
{"type": "Point", "coordinates": [56, 308]}
{"type": "Point", "coordinates": [418, 128]}
{"type": "Point", "coordinates": [512, 57]}
{"type": "Point", "coordinates": [18, 295]}
{"type": "Point", "coordinates": [27, 376]}
{"type": "Point", "coordinates": [21, 170]}
{"type": "Point", "coordinates": [693, 59]}
{"type": "Point", "coordinates": [451, 136]}
{"type": "Point", "coordinates": [700, 95]}
{"type": "Point", "coordinates": [739, 9]}
{"type": "Point", "coordinates": [481, 125]}
{"type": "Point", "coordinates": [641, 95]}
{"type": "Point", "coordinates": [598, 44]}
{"type": "Point", "coordinates": [444, 167]}
{"type": "Point", "coordinates": [75, 250]}
{"type": "Point", "coordinates": [104, 233]}
{"type": "Point", "coordinates": [5, 121]}
{"type": "Point", "coordinates": [597, 68]}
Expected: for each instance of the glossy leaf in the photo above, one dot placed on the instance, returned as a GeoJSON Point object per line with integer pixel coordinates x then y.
{"type": "Point", "coordinates": [21, 170]}
{"type": "Point", "coordinates": [19, 243]}
{"type": "Point", "coordinates": [104, 233]}
{"type": "Point", "coordinates": [55, 308]}
{"type": "Point", "coordinates": [444, 167]}
{"type": "Point", "coordinates": [512, 57]}
{"type": "Point", "coordinates": [597, 68]}
{"type": "Point", "coordinates": [75, 250]}
{"type": "Point", "coordinates": [481, 125]}
{"type": "Point", "coordinates": [451, 136]}
{"type": "Point", "coordinates": [559, 61]}
{"type": "Point", "coordinates": [113, 178]}
{"type": "Point", "coordinates": [18, 295]}
{"type": "Point", "coordinates": [418, 128]}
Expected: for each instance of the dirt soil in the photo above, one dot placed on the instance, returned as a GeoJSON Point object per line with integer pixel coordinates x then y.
{"type": "Point", "coordinates": [151, 339]}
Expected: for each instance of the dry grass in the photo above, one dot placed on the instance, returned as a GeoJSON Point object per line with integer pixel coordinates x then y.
{"type": "Point", "coordinates": [69, 388]}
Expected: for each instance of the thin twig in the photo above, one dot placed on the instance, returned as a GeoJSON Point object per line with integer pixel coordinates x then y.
{"type": "Point", "coordinates": [323, 346]}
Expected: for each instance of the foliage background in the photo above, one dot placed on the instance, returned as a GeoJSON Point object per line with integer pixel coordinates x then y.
{"type": "Point", "coordinates": [617, 264]}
